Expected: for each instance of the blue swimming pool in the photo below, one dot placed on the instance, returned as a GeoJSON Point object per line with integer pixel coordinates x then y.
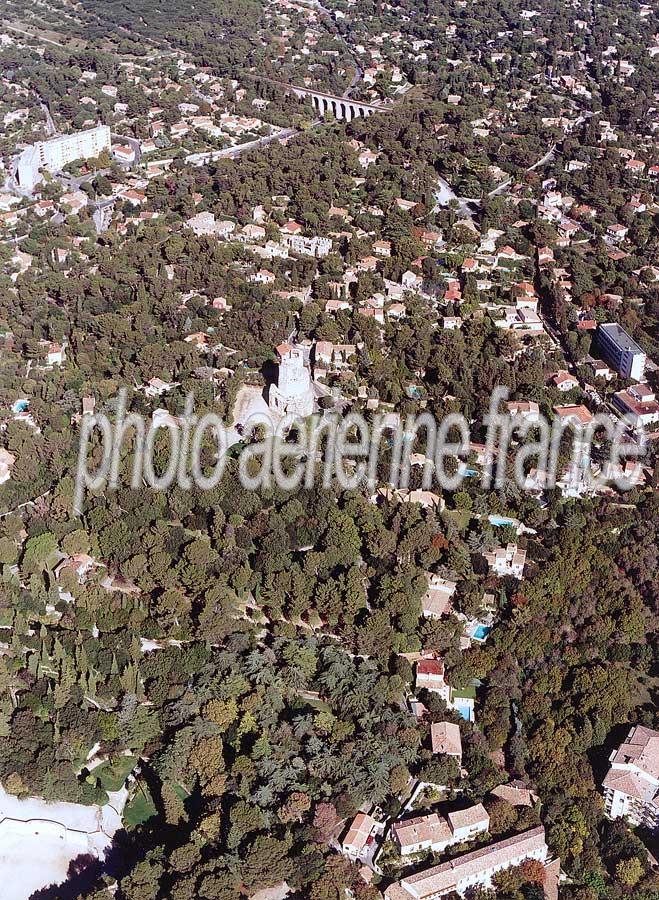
{"type": "Point", "coordinates": [21, 406]}
{"type": "Point", "coordinates": [481, 632]}
{"type": "Point", "coordinates": [465, 708]}
{"type": "Point", "coordinates": [498, 521]}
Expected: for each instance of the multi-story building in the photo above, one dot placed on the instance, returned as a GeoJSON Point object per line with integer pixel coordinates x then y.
{"type": "Point", "coordinates": [293, 392]}
{"type": "Point", "coordinates": [359, 834]}
{"type": "Point", "coordinates": [631, 786]}
{"type": "Point", "coordinates": [475, 869]}
{"type": "Point", "coordinates": [53, 155]}
{"type": "Point", "coordinates": [508, 560]}
{"type": "Point", "coordinates": [436, 833]}
{"type": "Point", "coordinates": [621, 351]}
{"type": "Point", "coordinates": [639, 403]}
{"type": "Point", "coordinates": [307, 246]}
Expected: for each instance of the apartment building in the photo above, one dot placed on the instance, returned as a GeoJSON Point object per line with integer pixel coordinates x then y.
{"type": "Point", "coordinates": [618, 349]}
{"type": "Point", "coordinates": [631, 786]}
{"type": "Point", "coordinates": [475, 869]}
{"type": "Point", "coordinates": [53, 155]}
{"type": "Point", "coordinates": [307, 246]}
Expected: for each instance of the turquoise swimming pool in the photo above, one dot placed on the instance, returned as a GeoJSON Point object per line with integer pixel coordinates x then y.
{"type": "Point", "coordinates": [500, 521]}
{"type": "Point", "coordinates": [481, 632]}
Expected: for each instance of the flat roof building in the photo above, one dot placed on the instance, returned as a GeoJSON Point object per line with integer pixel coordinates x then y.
{"type": "Point", "coordinates": [56, 153]}
{"type": "Point", "coordinates": [620, 350]}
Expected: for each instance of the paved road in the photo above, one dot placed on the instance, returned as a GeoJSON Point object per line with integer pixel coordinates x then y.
{"type": "Point", "coordinates": [50, 124]}
{"type": "Point", "coordinates": [36, 37]}
{"type": "Point", "coordinates": [202, 159]}
{"type": "Point", "coordinates": [132, 142]}
{"type": "Point", "coordinates": [502, 188]}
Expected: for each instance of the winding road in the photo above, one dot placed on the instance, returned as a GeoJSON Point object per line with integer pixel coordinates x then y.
{"type": "Point", "coordinates": [445, 194]}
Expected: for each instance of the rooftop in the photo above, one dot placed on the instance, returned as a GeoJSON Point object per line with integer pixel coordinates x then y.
{"type": "Point", "coordinates": [446, 738]}
{"type": "Point", "coordinates": [359, 832]}
{"type": "Point", "coordinates": [447, 875]}
{"type": "Point", "coordinates": [620, 336]}
{"type": "Point", "coordinates": [641, 749]}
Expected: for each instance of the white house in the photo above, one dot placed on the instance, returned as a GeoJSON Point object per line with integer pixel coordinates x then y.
{"type": "Point", "coordinates": [436, 833]}
{"type": "Point", "coordinates": [430, 675]}
{"type": "Point", "coordinates": [508, 560]}
{"type": "Point", "coordinates": [631, 786]}
{"type": "Point", "coordinates": [358, 835]}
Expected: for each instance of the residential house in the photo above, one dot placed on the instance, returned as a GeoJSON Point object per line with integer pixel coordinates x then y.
{"type": "Point", "coordinates": [422, 833]}
{"type": "Point", "coordinates": [263, 276]}
{"type": "Point", "coordinates": [430, 675]}
{"type": "Point", "coordinates": [155, 387]}
{"type": "Point", "coordinates": [579, 415]}
{"type": "Point", "coordinates": [617, 232]}
{"type": "Point", "coordinates": [515, 793]}
{"type": "Point", "coordinates": [7, 460]}
{"type": "Point", "coordinates": [123, 153]}
{"type": "Point", "coordinates": [367, 158]}
{"type": "Point", "coordinates": [563, 381]}
{"type": "Point", "coordinates": [437, 600]}
{"type": "Point", "coordinates": [631, 786]}
{"type": "Point", "coordinates": [359, 834]}
{"type": "Point", "coordinates": [638, 403]}
{"type": "Point", "coordinates": [435, 833]}
{"type": "Point", "coordinates": [527, 409]}
{"type": "Point", "coordinates": [55, 353]}
{"type": "Point", "coordinates": [382, 248]}
{"type": "Point", "coordinates": [446, 740]}
{"type": "Point", "coordinates": [508, 560]}
{"type": "Point", "coordinates": [467, 823]}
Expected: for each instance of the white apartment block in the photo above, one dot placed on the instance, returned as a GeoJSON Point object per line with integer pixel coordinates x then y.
{"type": "Point", "coordinates": [475, 869]}
{"type": "Point", "coordinates": [620, 351]}
{"type": "Point", "coordinates": [313, 246]}
{"type": "Point", "coordinates": [631, 786]}
{"type": "Point", "coordinates": [53, 155]}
